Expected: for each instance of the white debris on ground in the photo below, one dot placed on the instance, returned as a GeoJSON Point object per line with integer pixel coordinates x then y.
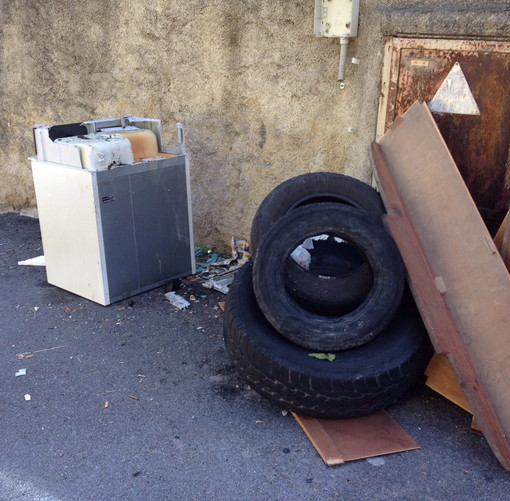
{"type": "Point", "coordinates": [35, 261]}
{"type": "Point", "coordinates": [177, 301]}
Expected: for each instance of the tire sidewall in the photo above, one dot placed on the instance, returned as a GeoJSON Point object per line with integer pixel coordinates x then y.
{"type": "Point", "coordinates": [357, 382]}
{"type": "Point", "coordinates": [316, 187]}
{"type": "Point", "coordinates": [316, 331]}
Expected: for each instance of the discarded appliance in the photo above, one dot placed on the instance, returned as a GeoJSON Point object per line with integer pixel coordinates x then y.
{"type": "Point", "coordinates": [114, 207]}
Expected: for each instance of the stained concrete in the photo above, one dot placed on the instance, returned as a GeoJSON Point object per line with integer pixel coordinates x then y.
{"type": "Point", "coordinates": [255, 89]}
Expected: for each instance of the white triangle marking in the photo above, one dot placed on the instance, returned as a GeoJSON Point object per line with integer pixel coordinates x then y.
{"type": "Point", "coordinates": [454, 95]}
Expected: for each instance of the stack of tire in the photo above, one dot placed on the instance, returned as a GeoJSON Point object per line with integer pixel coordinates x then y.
{"type": "Point", "coordinates": [339, 336]}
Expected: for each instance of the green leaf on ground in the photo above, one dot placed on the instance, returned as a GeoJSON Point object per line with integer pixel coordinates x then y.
{"type": "Point", "coordinates": [323, 356]}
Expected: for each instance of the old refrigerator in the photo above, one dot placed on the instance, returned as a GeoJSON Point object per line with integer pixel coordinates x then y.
{"type": "Point", "coordinates": [112, 231]}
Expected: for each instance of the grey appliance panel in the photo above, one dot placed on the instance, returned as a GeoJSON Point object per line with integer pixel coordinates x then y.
{"type": "Point", "coordinates": [146, 227]}
{"type": "Point", "coordinates": [162, 227]}
{"type": "Point", "coordinates": [120, 253]}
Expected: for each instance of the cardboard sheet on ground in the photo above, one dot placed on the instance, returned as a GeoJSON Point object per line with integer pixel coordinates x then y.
{"type": "Point", "coordinates": [341, 440]}
{"type": "Point", "coordinates": [457, 276]}
{"type": "Point", "coordinates": [442, 379]}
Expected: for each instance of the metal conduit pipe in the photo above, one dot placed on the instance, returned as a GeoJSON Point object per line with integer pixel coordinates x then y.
{"type": "Point", "coordinates": [343, 58]}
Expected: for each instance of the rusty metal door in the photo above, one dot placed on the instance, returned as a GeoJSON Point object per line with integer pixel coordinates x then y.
{"type": "Point", "coordinates": [419, 69]}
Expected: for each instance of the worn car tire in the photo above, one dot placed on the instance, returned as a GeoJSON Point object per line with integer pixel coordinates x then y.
{"type": "Point", "coordinates": [310, 188]}
{"type": "Point", "coordinates": [320, 332]}
{"type": "Point", "coordinates": [358, 382]}
{"type": "Point", "coordinates": [343, 291]}
{"type": "Point", "coordinates": [337, 281]}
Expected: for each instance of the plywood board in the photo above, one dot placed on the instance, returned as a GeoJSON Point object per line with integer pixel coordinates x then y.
{"type": "Point", "coordinates": [442, 379]}
{"type": "Point", "coordinates": [342, 440]}
{"type": "Point", "coordinates": [457, 276]}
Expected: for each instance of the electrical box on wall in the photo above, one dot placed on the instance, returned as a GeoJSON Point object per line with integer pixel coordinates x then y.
{"type": "Point", "coordinates": [336, 18]}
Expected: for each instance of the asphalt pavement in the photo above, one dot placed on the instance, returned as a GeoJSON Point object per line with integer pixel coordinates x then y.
{"type": "Point", "coordinates": [139, 401]}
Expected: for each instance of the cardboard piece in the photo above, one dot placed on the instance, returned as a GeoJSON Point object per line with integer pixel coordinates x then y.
{"type": "Point", "coordinates": [442, 379]}
{"type": "Point", "coordinates": [457, 276]}
{"type": "Point", "coordinates": [342, 440]}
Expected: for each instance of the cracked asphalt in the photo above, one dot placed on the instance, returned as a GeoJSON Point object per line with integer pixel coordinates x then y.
{"type": "Point", "coordinates": [138, 400]}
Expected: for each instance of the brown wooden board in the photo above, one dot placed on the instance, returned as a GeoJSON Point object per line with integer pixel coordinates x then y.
{"type": "Point", "coordinates": [457, 276]}
{"type": "Point", "coordinates": [342, 440]}
{"type": "Point", "coordinates": [442, 379]}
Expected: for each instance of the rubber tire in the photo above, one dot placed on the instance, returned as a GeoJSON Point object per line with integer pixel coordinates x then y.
{"type": "Point", "coordinates": [315, 331]}
{"type": "Point", "coordinates": [336, 283]}
{"type": "Point", "coordinates": [309, 188]}
{"type": "Point", "coordinates": [341, 293]}
{"type": "Point", "coordinates": [358, 382]}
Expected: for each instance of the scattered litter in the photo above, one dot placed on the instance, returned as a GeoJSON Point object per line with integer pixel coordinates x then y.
{"type": "Point", "coordinates": [221, 304]}
{"type": "Point", "coordinates": [177, 301]}
{"type": "Point", "coordinates": [30, 354]}
{"type": "Point", "coordinates": [285, 412]}
{"type": "Point", "coordinates": [213, 265]}
{"type": "Point", "coordinates": [323, 356]}
{"type": "Point", "coordinates": [106, 404]}
{"type": "Point", "coordinates": [302, 257]}
{"type": "Point", "coordinates": [134, 397]}
{"type": "Point", "coordinates": [213, 259]}
{"type": "Point", "coordinates": [34, 261]}
{"type": "Point", "coordinates": [221, 283]}
{"type": "Point", "coordinates": [192, 298]}
{"type": "Point", "coordinates": [240, 249]}
{"type": "Point", "coordinates": [201, 250]}
{"type": "Point", "coordinates": [35, 308]}
{"type": "Point", "coordinates": [21, 372]}
{"type": "Point", "coordinates": [218, 273]}
{"type": "Point", "coordinates": [28, 397]}
{"type": "Point", "coordinates": [259, 421]}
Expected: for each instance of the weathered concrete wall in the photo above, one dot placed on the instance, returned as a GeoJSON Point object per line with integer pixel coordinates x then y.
{"type": "Point", "coordinates": [254, 87]}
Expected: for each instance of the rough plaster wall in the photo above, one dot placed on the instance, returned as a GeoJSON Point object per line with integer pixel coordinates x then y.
{"type": "Point", "coordinates": [255, 88]}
